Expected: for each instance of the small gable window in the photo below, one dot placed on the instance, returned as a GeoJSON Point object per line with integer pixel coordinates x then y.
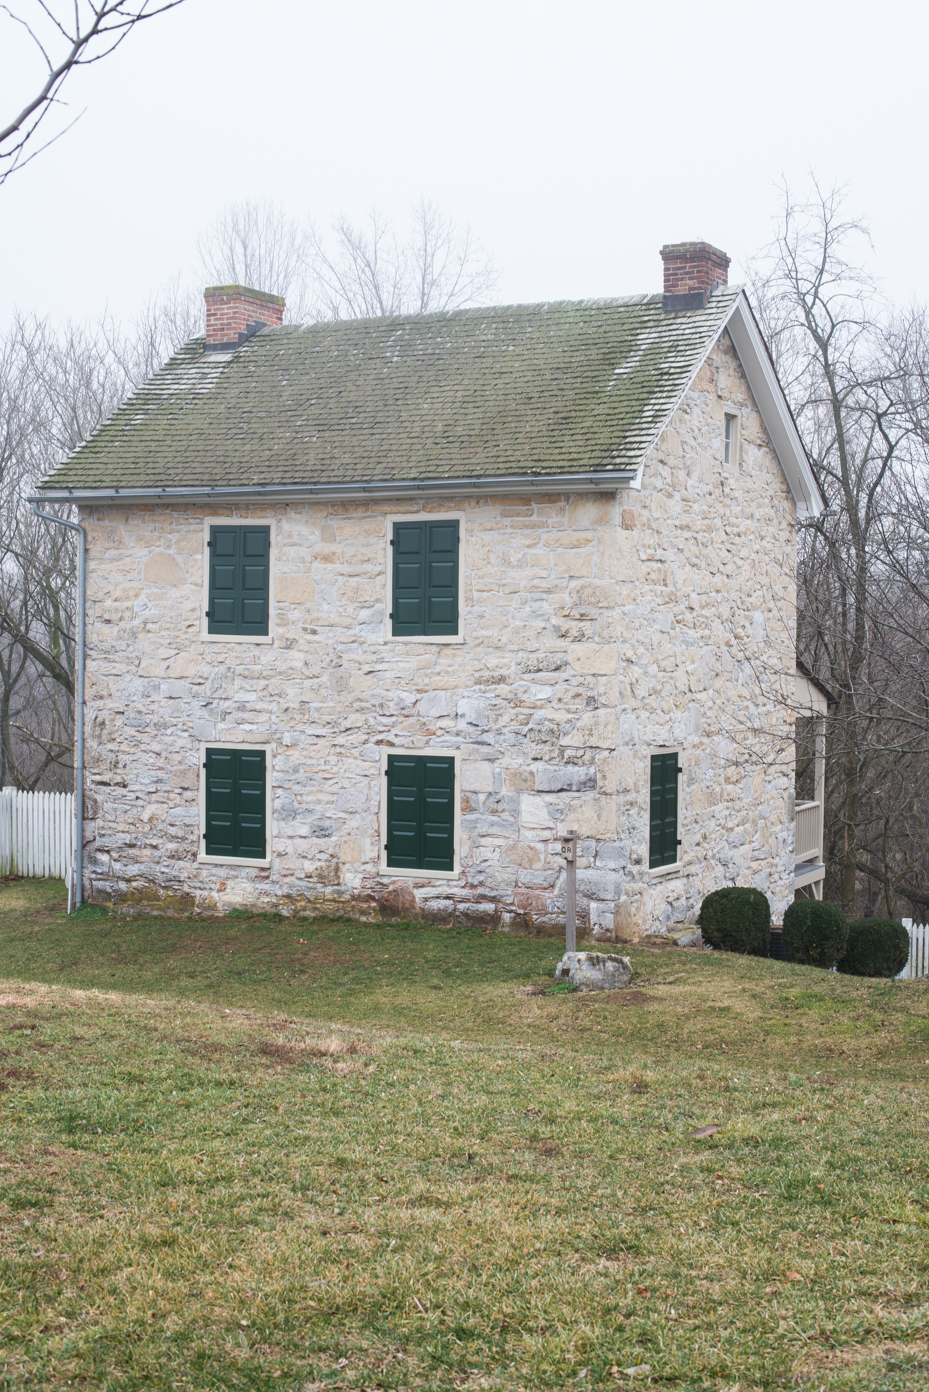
{"type": "Point", "coordinates": [234, 804]}
{"type": "Point", "coordinates": [239, 598]}
{"type": "Point", "coordinates": [664, 806]}
{"type": "Point", "coordinates": [424, 573]}
{"type": "Point", "coordinates": [730, 439]}
{"type": "Point", "coordinates": [419, 815]}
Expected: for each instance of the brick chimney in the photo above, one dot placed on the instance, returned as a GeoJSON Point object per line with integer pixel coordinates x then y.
{"type": "Point", "coordinates": [234, 313]}
{"type": "Point", "coordinates": [692, 271]}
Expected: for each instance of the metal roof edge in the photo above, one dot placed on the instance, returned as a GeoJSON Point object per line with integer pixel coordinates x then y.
{"type": "Point", "coordinates": [602, 481]}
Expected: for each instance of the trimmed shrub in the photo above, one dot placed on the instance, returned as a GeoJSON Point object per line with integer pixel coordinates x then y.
{"type": "Point", "coordinates": [876, 947]}
{"type": "Point", "coordinates": [736, 920]}
{"type": "Point", "coordinates": [815, 933]}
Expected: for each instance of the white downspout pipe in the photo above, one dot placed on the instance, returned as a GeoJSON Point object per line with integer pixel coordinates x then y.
{"type": "Point", "coordinates": [78, 869]}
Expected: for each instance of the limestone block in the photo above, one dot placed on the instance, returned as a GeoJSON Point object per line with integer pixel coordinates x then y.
{"type": "Point", "coordinates": [617, 557]}
{"type": "Point", "coordinates": [534, 813]}
{"type": "Point", "coordinates": [595, 971]}
{"type": "Point", "coordinates": [573, 563]}
{"type": "Point", "coordinates": [294, 589]}
{"type": "Point", "coordinates": [477, 776]}
{"type": "Point", "coordinates": [472, 712]}
{"type": "Point", "coordinates": [595, 730]}
{"type": "Point", "coordinates": [184, 665]}
{"type": "Point", "coordinates": [591, 510]}
{"type": "Point", "coordinates": [600, 884]}
{"type": "Point", "coordinates": [435, 704]}
{"type": "Point", "coordinates": [519, 780]}
{"type": "Point", "coordinates": [592, 815]}
{"type": "Point", "coordinates": [161, 568]}
{"type": "Point", "coordinates": [555, 778]}
{"type": "Point", "coordinates": [596, 658]}
{"type": "Point", "coordinates": [523, 854]}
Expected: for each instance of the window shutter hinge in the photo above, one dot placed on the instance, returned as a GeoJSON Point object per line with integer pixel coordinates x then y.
{"type": "Point", "coordinates": [680, 843]}
{"type": "Point", "coordinates": [391, 614]}
{"type": "Point", "coordinates": [209, 543]}
{"type": "Point", "coordinates": [679, 769]}
{"type": "Point", "coordinates": [391, 541]}
{"type": "Point", "coordinates": [204, 765]}
{"type": "Point", "coordinates": [206, 613]}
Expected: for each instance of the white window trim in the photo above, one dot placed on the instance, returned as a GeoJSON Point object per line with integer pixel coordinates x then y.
{"type": "Point", "coordinates": [734, 414]}
{"type": "Point", "coordinates": [661, 872]}
{"type": "Point", "coordinates": [234, 520]}
{"type": "Point", "coordinates": [396, 872]}
{"type": "Point", "coordinates": [458, 637]}
{"type": "Point", "coordinates": [202, 857]}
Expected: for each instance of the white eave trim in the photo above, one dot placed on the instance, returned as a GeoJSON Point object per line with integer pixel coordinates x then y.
{"type": "Point", "coordinates": [605, 481]}
{"type": "Point", "coordinates": [772, 405]}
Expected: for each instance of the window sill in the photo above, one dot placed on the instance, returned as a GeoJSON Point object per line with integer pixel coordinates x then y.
{"type": "Point", "coordinates": [399, 872]}
{"type": "Point", "coordinates": [424, 638]}
{"type": "Point", "coordinates": [234, 860]}
{"type": "Point", "coordinates": [265, 638]}
{"type": "Point", "coordinates": [662, 872]}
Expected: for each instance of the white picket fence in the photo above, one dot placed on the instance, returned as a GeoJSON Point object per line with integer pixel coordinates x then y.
{"type": "Point", "coordinates": [36, 834]}
{"type": "Point", "coordinates": [918, 962]}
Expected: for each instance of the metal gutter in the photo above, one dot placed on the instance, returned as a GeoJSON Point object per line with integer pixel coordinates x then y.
{"type": "Point", "coordinates": [603, 480]}
{"type": "Point", "coordinates": [76, 896]}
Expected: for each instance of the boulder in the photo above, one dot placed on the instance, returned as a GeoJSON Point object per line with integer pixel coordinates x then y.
{"type": "Point", "coordinates": [687, 935]}
{"type": "Point", "coordinates": [594, 971]}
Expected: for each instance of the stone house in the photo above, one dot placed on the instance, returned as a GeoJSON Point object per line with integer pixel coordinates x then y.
{"type": "Point", "coordinates": [378, 609]}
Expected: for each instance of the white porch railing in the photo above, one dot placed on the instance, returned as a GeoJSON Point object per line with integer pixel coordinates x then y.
{"type": "Point", "coordinates": [36, 834]}
{"type": "Point", "coordinates": [808, 825]}
{"type": "Point", "coordinates": [918, 962]}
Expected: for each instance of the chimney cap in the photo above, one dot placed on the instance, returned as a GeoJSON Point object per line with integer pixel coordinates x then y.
{"type": "Point", "coordinates": [245, 292]}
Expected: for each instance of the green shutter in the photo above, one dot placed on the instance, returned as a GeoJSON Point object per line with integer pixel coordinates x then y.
{"type": "Point", "coordinates": [409, 579]}
{"type": "Point", "coordinates": [663, 846]}
{"type": "Point", "coordinates": [441, 577]}
{"type": "Point", "coordinates": [425, 579]}
{"type": "Point", "coordinates": [420, 812]}
{"type": "Point", "coordinates": [235, 803]}
{"type": "Point", "coordinates": [240, 580]}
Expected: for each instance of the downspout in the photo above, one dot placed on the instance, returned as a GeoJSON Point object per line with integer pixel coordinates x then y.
{"type": "Point", "coordinates": [78, 869]}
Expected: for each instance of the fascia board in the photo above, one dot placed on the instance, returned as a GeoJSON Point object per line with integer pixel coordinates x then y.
{"type": "Point", "coordinates": [773, 408]}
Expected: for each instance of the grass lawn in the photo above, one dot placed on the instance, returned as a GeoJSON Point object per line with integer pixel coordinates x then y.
{"type": "Point", "coordinates": [255, 1153]}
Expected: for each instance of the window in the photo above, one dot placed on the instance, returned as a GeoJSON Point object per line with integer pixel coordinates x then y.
{"type": "Point", "coordinates": [420, 813]}
{"type": "Point", "coordinates": [239, 568]}
{"type": "Point", "coordinates": [663, 835]}
{"type": "Point", "coordinates": [234, 804]}
{"type": "Point", "coordinates": [424, 566]}
{"type": "Point", "coordinates": [730, 439]}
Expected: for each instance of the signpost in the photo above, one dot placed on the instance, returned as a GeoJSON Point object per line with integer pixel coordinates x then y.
{"type": "Point", "coordinates": [569, 852]}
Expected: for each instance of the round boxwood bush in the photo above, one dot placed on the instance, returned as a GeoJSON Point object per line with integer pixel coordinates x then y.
{"type": "Point", "coordinates": [736, 920]}
{"type": "Point", "coordinates": [876, 947]}
{"type": "Point", "coordinates": [815, 933]}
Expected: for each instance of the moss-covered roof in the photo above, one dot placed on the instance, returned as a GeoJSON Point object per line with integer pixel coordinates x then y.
{"type": "Point", "coordinates": [527, 389]}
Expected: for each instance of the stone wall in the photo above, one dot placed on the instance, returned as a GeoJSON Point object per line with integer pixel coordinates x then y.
{"type": "Point", "coordinates": [596, 627]}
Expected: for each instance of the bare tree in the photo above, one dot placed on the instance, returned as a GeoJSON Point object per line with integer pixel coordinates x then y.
{"type": "Point", "coordinates": [850, 369]}
{"type": "Point", "coordinates": [369, 272]}
{"type": "Point", "coordinates": [255, 243]}
{"type": "Point", "coordinates": [360, 272]}
{"type": "Point", "coordinates": [56, 387]}
{"type": "Point", "coordinates": [65, 36]}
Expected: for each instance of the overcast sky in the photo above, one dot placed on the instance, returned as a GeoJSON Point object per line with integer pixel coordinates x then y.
{"type": "Point", "coordinates": [575, 138]}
